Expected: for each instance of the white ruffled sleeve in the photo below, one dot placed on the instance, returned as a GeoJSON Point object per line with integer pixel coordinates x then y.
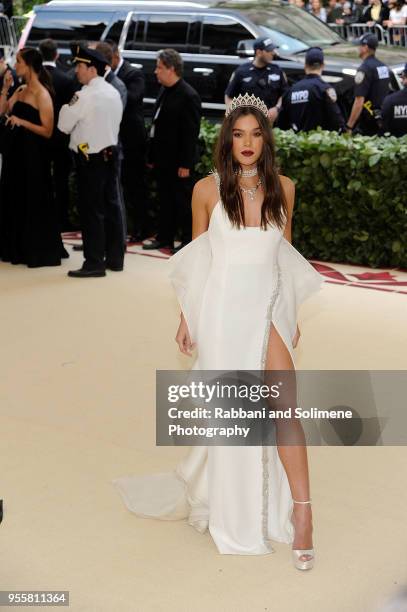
{"type": "Point", "coordinates": [298, 281]}
{"type": "Point", "coordinates": [189, 269]}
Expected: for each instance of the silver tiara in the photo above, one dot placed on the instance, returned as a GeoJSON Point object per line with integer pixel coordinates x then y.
{"type": "Point", "coordinates": [247, 100]}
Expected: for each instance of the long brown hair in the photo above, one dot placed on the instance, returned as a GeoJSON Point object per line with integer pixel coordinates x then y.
{"type": "Point", "coordinates": [274, 207]}
{"type": "Point", "coordinates": [33, 59]}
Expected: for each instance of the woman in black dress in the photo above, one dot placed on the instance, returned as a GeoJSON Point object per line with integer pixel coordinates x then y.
{"type": "Point", "coordinates": [29, 232]}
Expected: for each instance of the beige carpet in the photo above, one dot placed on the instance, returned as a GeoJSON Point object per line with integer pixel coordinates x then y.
{"type": "Point", "coordinates": [78, 362]}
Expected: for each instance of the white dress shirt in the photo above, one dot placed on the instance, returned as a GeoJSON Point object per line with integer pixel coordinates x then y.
{"type": "Point", "coordinates": [398, 17]}
{"type": "Point", "coordinates": [93, 116]}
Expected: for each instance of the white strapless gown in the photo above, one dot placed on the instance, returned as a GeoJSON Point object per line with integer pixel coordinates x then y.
{"type": "Point", "coordinates": [231, 285]}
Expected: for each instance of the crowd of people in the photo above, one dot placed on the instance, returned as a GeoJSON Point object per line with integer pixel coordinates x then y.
{"type": "Point", "coordinates": [346, 12]}
{"type": "Point", "coordinates": [89, 123]}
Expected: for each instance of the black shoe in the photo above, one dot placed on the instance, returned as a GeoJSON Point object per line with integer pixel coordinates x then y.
{"type": "Point", "coordinates": [64, 254]}
{"type": "Point", "coordinates": [77, 247]}
{"type": "Point", "coordinates": [136, 237]}
{"type": "Point", "coordinates": [84, 273]}
{"type": "Point", "coordinates": [156, 244]}
{"type": "Point", "coordinates": [179, 247]}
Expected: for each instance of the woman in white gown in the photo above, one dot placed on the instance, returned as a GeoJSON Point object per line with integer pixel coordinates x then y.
{"type": "Point", "coordinates": [239, 284]}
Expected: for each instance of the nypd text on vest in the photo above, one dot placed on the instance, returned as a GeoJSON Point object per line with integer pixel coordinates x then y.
{"type": "Point", "coordinates": [299, 97]}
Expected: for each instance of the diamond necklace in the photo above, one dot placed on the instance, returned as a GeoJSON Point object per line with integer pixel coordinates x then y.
{"type": "Point", "coordinates": [251, 192]}
{"type": "Point", "coordinates": [247, 173]}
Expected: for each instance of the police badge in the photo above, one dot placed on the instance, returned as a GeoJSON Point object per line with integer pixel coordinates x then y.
{"type": "Point", "coordinates": [359, 76]}
{"type": "Point", "coordinates": [332, 94]}
{"type": "Point", "coordinates": [74, 99]}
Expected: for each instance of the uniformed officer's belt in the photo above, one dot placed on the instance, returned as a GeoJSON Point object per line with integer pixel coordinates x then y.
{"type": "Point", "coordinates": [105, 154]}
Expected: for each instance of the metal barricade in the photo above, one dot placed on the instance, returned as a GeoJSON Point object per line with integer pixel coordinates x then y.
{"type": "Point", "coordinates": [397, 36]}
{"type": "Point", "coordinates": [355, 30]}
{"type": "Point", "coordinates": [18, 24]}
{"type": "Point", "coordinates": [6, 35]}
{"type": "Point", "coordinates": [10, 33]}
{"type": "Point", "coordinates": [394, 36]}
{"type": "Point", "coordinates": [340, 29]}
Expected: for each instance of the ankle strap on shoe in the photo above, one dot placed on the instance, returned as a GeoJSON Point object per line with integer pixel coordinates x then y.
{"type": "Point", "coordinates": [302, 502]}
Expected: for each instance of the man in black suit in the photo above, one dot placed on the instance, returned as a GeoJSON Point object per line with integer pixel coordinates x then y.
{"type": "Point", "coordinates": [133, 137]}
{"type": "Point", "coordinates": [105, 49]}
{"type": "Point", "coordinates": [64, 88]}
{"type": "Point", "coordinates": [173, 150]}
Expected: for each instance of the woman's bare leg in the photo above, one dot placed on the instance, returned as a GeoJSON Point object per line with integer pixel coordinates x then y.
{"type": "Point", "coordinates": [293, 456]}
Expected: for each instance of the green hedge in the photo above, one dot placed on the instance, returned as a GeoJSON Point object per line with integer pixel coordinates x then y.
{"type": "Point", "coordinates": [351, 203]}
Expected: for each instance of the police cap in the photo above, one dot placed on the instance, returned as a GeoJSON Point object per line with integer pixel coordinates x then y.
{"type": "Point", "coordinates": [314, 55]}
{"type": "Point", "coordinates": [264, 44]}
{"type": "Point", "coordinates": [368, 39]}
{"type": "Point", "coordinates": [90, 57]}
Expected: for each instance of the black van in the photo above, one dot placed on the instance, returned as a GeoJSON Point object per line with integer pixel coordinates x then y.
{"type": "Point", "coordinates": [212, 37]}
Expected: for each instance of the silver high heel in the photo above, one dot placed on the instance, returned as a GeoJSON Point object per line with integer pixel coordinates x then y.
{"type": "Point", "coordinates": [297, 553]}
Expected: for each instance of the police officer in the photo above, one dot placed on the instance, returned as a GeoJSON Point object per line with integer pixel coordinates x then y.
{"type": "Point", "coordinates": [372, 82]}
{"type": "Point", "coordinates": [92, 118]}
{"type": "Point", "coordinates": [394, 110]}
{"type": "Point", "coordinates": [311, 102]}
{"type": "Point", "coordinates": [260, 77]}
{"type": "Point", "coordinates": [105, 50]}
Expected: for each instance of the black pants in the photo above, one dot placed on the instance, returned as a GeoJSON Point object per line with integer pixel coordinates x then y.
{"type": "Point", "coordinates": [100, 210]}
{"type": "Point", "coordinates": [135, 190]}
{"type": "Point", "coordinates": [120, 191]}
{"type": "Point", "coordinates": [61, 169]}
{"type": "Point", "coordinates": [368, 125]}
{"type": "Point", "coordinates": [174, 206]}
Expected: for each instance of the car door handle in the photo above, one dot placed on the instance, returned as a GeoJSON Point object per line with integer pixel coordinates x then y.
{"type": "Point", "coordinates": [204, 71]}
{"type": "Point", "coordinates": [139, 66]}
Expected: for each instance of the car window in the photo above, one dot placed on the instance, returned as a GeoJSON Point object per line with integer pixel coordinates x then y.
{"type": "Point", "coordinates": [65, 26]}
{"type": "Point", "coordinates": [136, 32]}
{"type": "Point", "coordinates": [166, 31]}
{"type": "Point", "coordinates": [158, 31]}
{"type": "Point", "coordinates": [221, 35]}
{"type": "Point", "coordinates": [291, 28]}
{"type": "Point", "coordinates": [115, 30]}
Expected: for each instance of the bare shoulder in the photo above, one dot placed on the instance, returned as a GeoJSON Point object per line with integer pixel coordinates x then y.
{"type": "Point", "coordinates": [43, 96]}
{"type": "Point", "coordinates": [289, 190]}
{"type": "Point", "coordinates": [205, 193]}
{"type": "Point", "coordinates": [206, 185]}
{"type": "Point", "coordinates": [287, 184]}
